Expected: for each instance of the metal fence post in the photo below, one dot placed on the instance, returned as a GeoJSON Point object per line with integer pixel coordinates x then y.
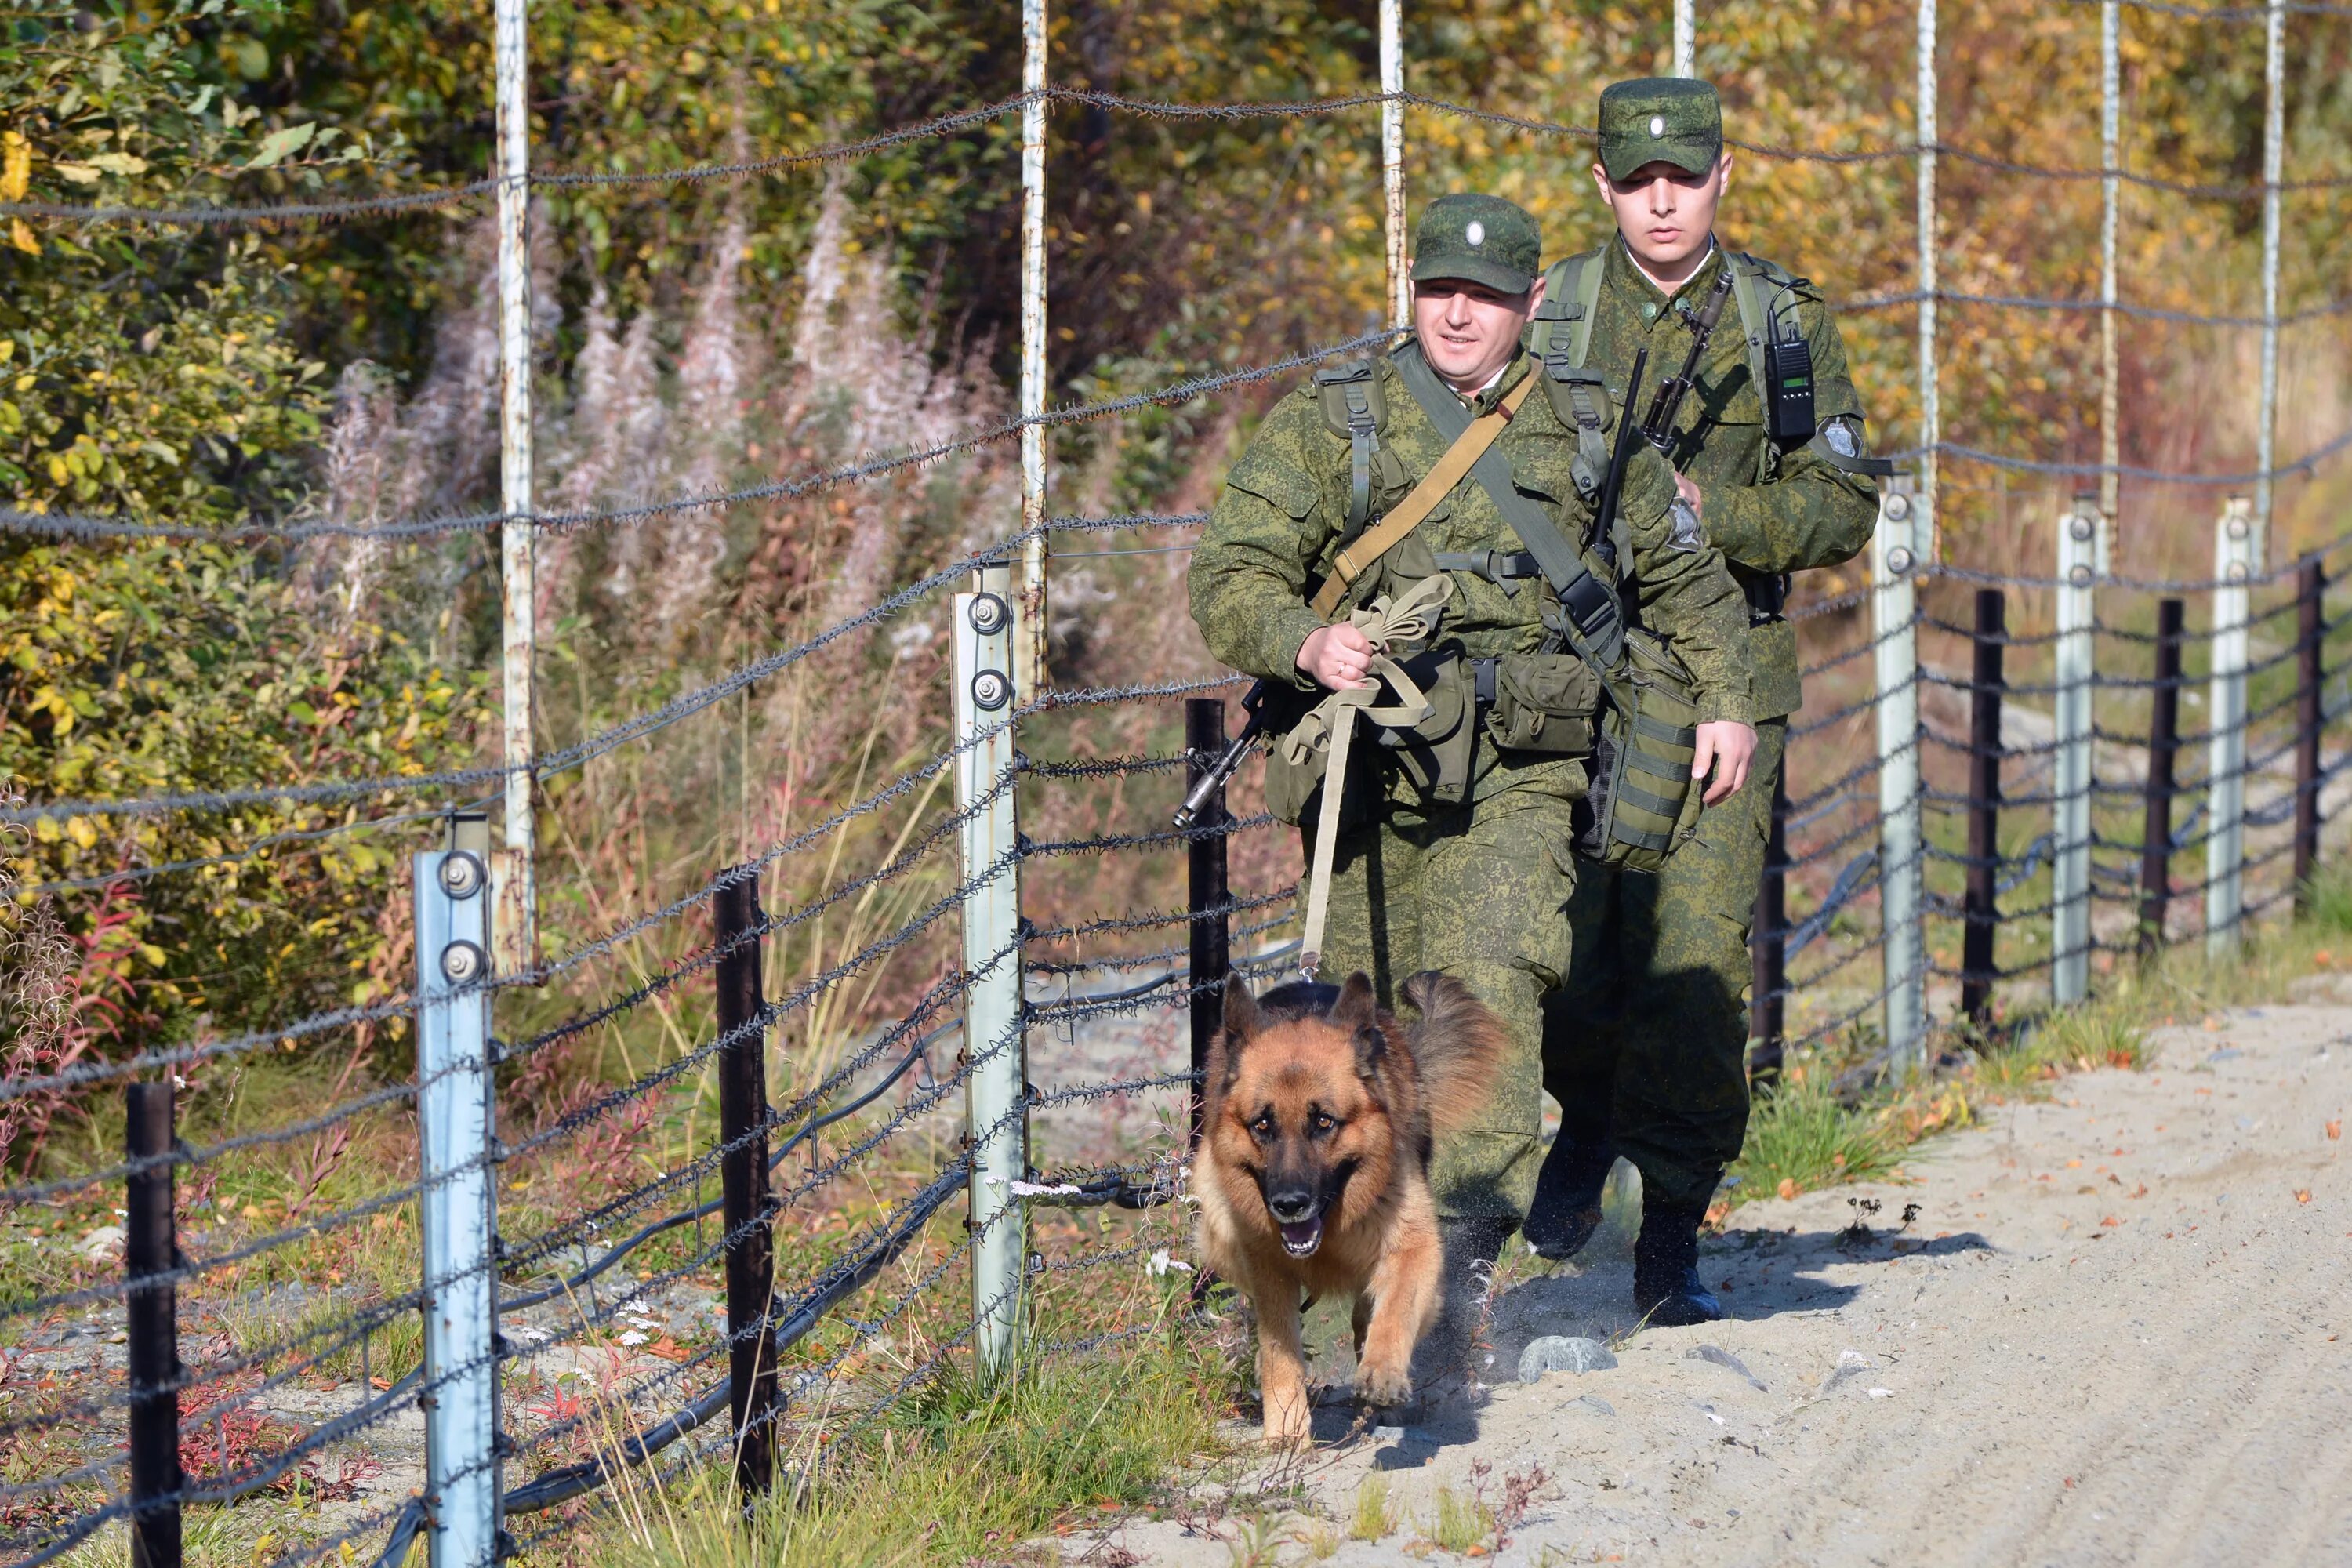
{"type": "Point", "coordinates": [456, 1209]}
{"type": "Point", "coordinates": [2310, 590]}
{"type": "Point", "coordinates": [1027, 668]}
{"type": "Point", "coordinates": [1767, 1006]}
{"type": "Point", "coordinates": [1393, 157]}
{"type": "Point", "coordinates": [2235, 550]}
{"type": "Point", "coordinates": [2163, 752]}
{"type": "Point", "coordinates": [151, 1249]}
{"type": "Point", "coordinates": [736, 927]}
{"type": "Point", "coordinates": [1980, 904]}
{"type": "Point", "coordinates": [1896, 554]}
{"type": "Point", "coordinates": [1206, 889]}
{"type": "Point", "coordinates": [517, 926]}
{"type": "Point", "coordinates": [1931, 414]}
{"type": "Point", "coordinates": [995, 1044]}
{"type": "Point", "coordinates": [2273, 171]}
{"type": "Point", "coordinates": [2080, 531]}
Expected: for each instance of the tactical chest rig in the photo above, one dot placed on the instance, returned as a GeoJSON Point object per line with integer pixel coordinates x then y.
{"type": "Point", "coordinates": [1602, 688]}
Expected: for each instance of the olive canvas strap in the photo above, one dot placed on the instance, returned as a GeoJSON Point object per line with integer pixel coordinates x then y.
{"type": "Point", "coordinates": [1359, 556]}
{"type": "Point", "coordinates": [1330, 727]}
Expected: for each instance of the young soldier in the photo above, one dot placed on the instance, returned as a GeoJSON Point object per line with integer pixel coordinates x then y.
{"type": "Point", "coordinates": [1455, 851]}
{"type": "Point", "coordinates": [1645, 1049]}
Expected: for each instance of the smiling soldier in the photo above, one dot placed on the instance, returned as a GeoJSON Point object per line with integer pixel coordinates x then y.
{"type": "Point", "coordinates": [1644, 1051]}
{"type": "Point", "coordinates": [1402, 536]}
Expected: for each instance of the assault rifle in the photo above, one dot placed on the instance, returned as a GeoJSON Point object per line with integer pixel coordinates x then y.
{"type": "Point", "coordinates": [1659, 427]}
{"type": "Point", "coordinates": [1196, 800]}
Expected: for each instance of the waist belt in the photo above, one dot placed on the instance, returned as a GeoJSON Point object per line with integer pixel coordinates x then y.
{"type": "Point", "coordinates": [1500, 567]}
{"type": "Point", "coordinates": [1767, 595]}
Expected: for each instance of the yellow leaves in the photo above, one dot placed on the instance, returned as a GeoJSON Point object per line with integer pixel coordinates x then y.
{"type": "Point", "coordinates": [80, 829]}
{"type": "Point", "coordinates": [16, 165]}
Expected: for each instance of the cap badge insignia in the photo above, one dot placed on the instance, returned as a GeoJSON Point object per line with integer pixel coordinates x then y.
{"type": "Point", "coordinates": [1657, 125]}
{"type": "Point", "coordinates": [1476, 234]}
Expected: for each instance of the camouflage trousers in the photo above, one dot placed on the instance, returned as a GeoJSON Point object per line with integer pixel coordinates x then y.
{"type": "Point", "coordinates": [1481, 891]}
{"type": "Point", "coordinates": [1647, 1044]}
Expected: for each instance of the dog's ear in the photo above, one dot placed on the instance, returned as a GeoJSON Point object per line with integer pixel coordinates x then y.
{"type": "Point", "coordinates": [1241, 1022]}
{"type": "Point", "coordinates": [1359, 1012]}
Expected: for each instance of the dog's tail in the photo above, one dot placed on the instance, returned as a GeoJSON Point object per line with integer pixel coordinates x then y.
{"type": "Point", "coordinates": [1458, 1047]}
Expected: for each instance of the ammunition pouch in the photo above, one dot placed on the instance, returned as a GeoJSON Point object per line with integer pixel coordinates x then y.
{"type": "Point", "coordinates": [1641, 803]}
{"type": "Point", "coordinates": [1540, 702]}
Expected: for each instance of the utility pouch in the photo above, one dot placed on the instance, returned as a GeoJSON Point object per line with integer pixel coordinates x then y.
{"type": "Point", "coordinates": [1641, 803]}
{"type": "Point", "coordinates": [1544, 703]}
{"type": "Point", "coordinates": [1294, 789]}
{"type": "Point", "coordinates": [1435, 756]}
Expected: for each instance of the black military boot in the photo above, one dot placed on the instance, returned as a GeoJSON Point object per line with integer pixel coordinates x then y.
{"type": "Point", "coordinates": [1444, 1362]}
{"type": "Point", "coordinates": [1567, 1206]}
{"type": "Point", "coordinates": [1666, 1288]}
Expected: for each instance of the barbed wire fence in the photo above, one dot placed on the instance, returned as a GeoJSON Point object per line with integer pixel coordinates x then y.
{"type": "Point", "coordinates": [557, 1351]}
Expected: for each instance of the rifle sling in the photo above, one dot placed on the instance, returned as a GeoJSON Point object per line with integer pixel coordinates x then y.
{"type": "Point", "coordinates": [1471, 440]}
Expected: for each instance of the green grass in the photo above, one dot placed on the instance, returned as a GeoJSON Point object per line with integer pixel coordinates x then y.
{"type": "Point", "coordinates": [1375, 1515]}
{"type": "Point", "coordinates": [1800, 1133]}
{"type": "Point", "coordinates": [967, 1471]}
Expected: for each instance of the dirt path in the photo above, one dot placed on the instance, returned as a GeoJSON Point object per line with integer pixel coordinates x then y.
{"type": "Point", "coordinates": [2116, 1332]}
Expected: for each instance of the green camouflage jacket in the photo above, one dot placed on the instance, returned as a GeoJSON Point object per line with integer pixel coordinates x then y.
{"type": "Point", "coordinates": [1278, 524]}
{"type": "Point", "coordinates": [1809, 513]}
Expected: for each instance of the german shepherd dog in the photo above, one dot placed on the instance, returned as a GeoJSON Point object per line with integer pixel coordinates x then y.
{"type": "Point", "coordinates": [1313, 1167]}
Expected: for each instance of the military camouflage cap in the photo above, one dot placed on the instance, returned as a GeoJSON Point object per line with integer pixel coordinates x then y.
{"type": "Point", "coordinates": [1667, 119]}
{"type": "Point", "coordinates": [1484, 240]}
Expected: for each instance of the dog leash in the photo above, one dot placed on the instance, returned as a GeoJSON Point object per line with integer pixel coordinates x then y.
{"type": "Point", "coordinates": [1329, 727]}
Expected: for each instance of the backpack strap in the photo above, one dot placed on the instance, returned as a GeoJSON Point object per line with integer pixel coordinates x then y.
{"type": "Point", "coordinates": [1558, 338]}
{"type": "Point", "coordinates": [1763, 315]}
{"type": "Point", "coordinates": [1469, 441]}
{"type": "Point", "coordinates": [1571, 295]}
{"type": "Point", "coordinates": [1595, 620]}
{"type": "Point", "coordinates": [1353, 407]}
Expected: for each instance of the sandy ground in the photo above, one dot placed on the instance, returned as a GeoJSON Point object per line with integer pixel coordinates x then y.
{"type": "Point", "coordinates": [2115, 1333]}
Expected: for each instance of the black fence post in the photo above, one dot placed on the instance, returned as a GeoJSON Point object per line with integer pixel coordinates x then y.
{"type": "Point", "coordinates": [1981, 905]}
{"type": "Point", "coordinates": [1768, 948]}
{"type": "Point", "coordinates": [1206, 889]}
{"type": "Point", "coordinates": [151, 1249]}
{"type": "Point", "coordinates": [2310, 585]}
{"type": "Point", "coordinates": [743, 1180]}
{"type": "Point", "coordinates": [2163, 749]}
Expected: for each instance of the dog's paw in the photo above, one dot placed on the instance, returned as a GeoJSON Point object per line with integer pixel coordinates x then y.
{"type": "Point", "coordinates": [1380, 1386]}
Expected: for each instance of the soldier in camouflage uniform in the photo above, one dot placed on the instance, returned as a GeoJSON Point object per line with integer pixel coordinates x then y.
{"type": "Point", "coordinates": [1471, 875]}
{"type": "Point", "coordinates": [1645, 1048]}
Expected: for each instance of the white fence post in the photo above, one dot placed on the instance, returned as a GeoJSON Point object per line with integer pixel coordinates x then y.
{"type": "Point", "coordinates": [1028, 668]}
{"type": "Point", "coordinates": [987, 632]}
{"type": "Point", "coordinates": [2273, 171]}
{"type": "Point", "coordinates": [1931, 416]}
{"type": "Point", "coordinates": [2237, 545]}
{"type": "Point", "coordinates": [456, 1212]}
{"type": "Point", "coordinates": [1895, 556]}
{"type": "Point", "coordinates": [1393, 157]}
{"type": "Point", "coordinates": [516, 891]}
{"type": "Point", "coordinates": [2081, 561]}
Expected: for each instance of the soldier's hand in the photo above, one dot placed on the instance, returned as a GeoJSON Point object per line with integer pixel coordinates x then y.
{"type": "Point", "coordinates": [1338, 657]}
{"type": "Point", "coordinates": [1723, 746]}
{"type": "Point", "coordinates": [1689, 491]}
